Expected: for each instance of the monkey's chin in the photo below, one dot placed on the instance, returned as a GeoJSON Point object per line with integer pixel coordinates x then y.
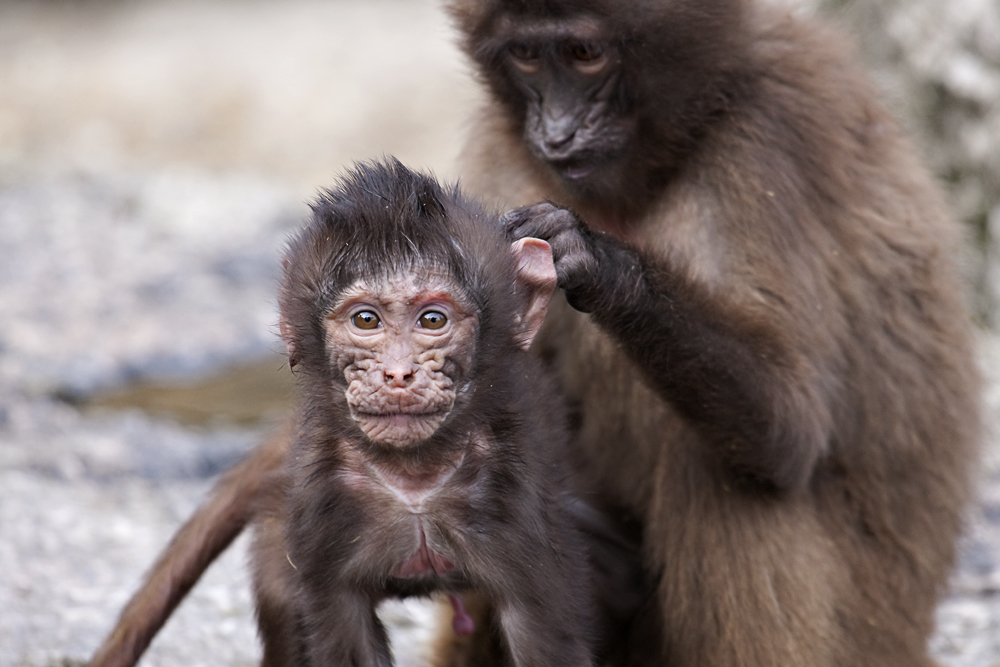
{"type": "Point", "coordinates": [399, 429]}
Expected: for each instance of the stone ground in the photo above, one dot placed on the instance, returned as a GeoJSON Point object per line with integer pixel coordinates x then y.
{"type": "Point", "coordinates": [153, 157]}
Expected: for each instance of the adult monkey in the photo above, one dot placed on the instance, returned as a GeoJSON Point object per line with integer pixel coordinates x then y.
{"type": "Point", "coordinates": [775, 372]}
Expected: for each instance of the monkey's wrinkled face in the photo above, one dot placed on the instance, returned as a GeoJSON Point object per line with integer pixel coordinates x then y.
{"type": "Point", "coordinates": [569, 74]}
{"type": "Point", "coordinates": [404, 346]}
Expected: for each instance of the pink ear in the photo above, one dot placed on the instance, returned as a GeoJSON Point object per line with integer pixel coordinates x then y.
{"type": "Point", "coordinates": [536, 281]}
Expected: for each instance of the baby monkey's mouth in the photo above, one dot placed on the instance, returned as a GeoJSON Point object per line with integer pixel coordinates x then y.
{"type": "Point", "coordinates": [399, 428]}
{"type": "Point", "coordinates": [399, 416]}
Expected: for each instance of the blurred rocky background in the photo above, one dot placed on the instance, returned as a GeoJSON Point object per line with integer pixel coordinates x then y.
{"type": "Point", "coordinates": [154, 155]}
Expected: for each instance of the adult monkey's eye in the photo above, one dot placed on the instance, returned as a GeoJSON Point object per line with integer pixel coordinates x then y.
{"type": "Point", "coordinates": [587, 58]}
{"type": "Point", "coordinates": [523, 51]}
{"type": "Point", "coordinates": [586, 52]}
{"type": "Point", "coordinates": [524, 57]}
{"type": "Point", "coordinates": [366, 319]}
{"type": "Point", "coordinates": [432, 319]}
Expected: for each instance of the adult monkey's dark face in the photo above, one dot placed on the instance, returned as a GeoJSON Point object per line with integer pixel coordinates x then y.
{"type": "Point", "coordinates": [611, 95]}
{"type": "Point", "coordinates": [568, 74]}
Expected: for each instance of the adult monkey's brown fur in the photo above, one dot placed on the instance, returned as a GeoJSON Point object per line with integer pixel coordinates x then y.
{"type": "Point", "coordinates": [776, 373]}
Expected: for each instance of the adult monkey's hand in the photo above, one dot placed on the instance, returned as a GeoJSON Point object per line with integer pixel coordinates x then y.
{"type": "Point", "coordinates": [592, 267]}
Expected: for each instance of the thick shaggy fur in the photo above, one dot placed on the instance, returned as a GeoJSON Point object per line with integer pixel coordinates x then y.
{"type": "Point", "coordinates": [790, 403]}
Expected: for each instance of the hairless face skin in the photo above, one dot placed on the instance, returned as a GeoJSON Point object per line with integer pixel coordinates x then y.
{"type": "Point", "coordinates": [399, 344]}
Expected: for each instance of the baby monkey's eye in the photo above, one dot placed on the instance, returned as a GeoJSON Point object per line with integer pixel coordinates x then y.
{"type": "Point", "coordinates": [366, 319]}
{"type": "Point", "coordinates": [432, 319]}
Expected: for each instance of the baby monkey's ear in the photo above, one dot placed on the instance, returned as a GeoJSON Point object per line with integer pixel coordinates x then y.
{"type": "Point", "coordinates": [534, 284]}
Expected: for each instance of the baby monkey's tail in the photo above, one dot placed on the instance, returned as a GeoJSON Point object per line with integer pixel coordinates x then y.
{"type": "Point", "coordinates": [232, 504]}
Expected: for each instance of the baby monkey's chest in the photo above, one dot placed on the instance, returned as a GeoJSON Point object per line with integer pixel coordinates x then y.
{"type": "Point", "coordinates": [415, 521]}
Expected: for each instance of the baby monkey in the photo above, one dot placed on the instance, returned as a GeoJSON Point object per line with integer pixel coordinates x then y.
{"type": "Point", "coordinates": [429, 451]}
